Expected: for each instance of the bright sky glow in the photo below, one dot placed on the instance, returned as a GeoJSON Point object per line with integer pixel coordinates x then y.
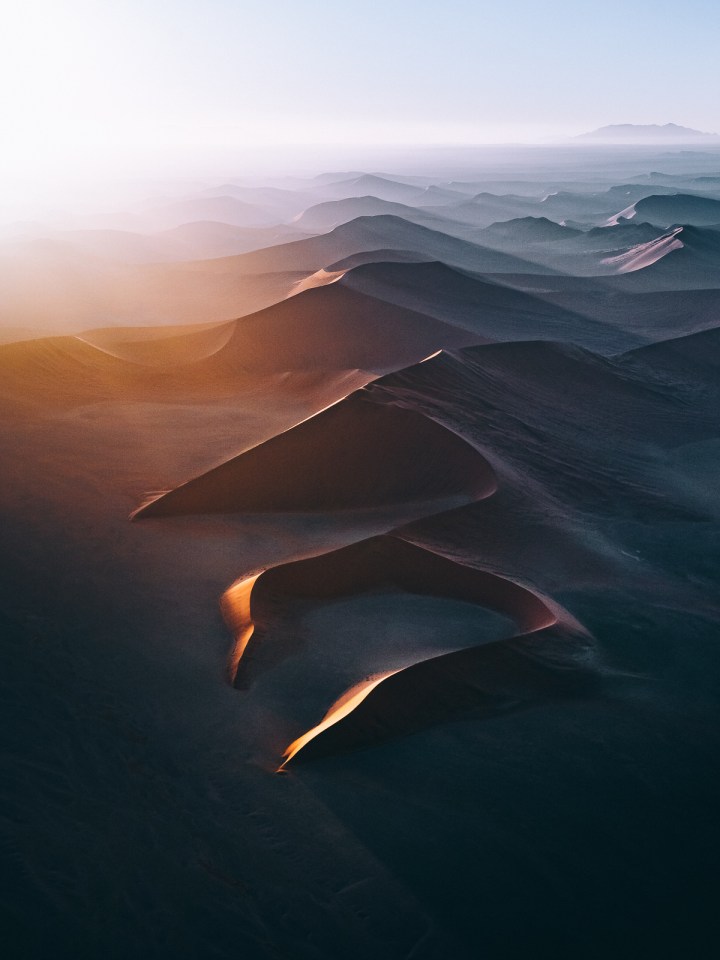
{"type": "Point", "coordinates": [96, 82]}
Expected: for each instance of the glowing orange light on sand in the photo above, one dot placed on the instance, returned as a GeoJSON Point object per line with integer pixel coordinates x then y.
{"type": "Point", "coordinates": [236, 610]}
{"type": "Point", "coordinates": [341, 708]}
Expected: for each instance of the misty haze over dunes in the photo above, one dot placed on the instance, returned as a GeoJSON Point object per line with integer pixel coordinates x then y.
{"type": "Point", "coordinates": [400, 481]}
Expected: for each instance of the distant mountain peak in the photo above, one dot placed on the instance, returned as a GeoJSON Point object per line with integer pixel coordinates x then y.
{"type": "Point", "coordinates": [647, 133]}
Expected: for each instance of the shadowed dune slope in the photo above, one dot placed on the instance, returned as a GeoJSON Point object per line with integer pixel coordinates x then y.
{"type": "Point", "coordinates": [355, 454]}
{"type": "Point", "coordinates": [678, 208]}
{"type": "Point", "coordinates": [693, 359]}
{"type": "Point", "coordinates": [648, 315]}
{"type": "Point", "coordinates": [478, 682]}
{"type": "Point", "coordinates": [490, 310]}
{"type": "Point", "coordinates": [522, 230]}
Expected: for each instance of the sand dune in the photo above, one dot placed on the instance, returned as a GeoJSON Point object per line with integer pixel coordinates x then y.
{"type": "Point", "coordinates": [317, 332]}
{"type": "Point", "coordinates": [161, 346]}
{"type": "Point", "coordinates": [370, 185]}
{"type": "Point", "coordinates": [332, 213]}
{"type": "Point", "coordinates": [528, 230]}
{"type": "Point", "coordinates": [489, 310]}
{"type": "Point", "coordinates": [335, 327]}
{"type": "Point", "coordinates": [373, 233]}
{"type": "Point", "coordinates": [282, 203]}
{"type": "Point", "coordinates": [619, 236]}
{"type": "Point", "coordinates": [191, 365]}
{"type": "Point", "coordinates": [666, 211]}
{"type": "Point", "coordinates": [490, 678]}
{"type": "Point", "coordinates": [479, 683]}
{"type": "Point", "coordinates": [436, 195]}
{"type": "Point", "coordinates": [691, 359]}
{"type": "Point", "coordinates": [686, 258]}
{"type": "Point", "coordinates": [646, 316]}
{"type": "Point", "coordinates": [354, 455]}
{"type": "Point", "coordinates": [379, 563]}
{"type": "Point", "coordinates": [61, 290]}
{"type": "Point", "coordinates": [645, 254]}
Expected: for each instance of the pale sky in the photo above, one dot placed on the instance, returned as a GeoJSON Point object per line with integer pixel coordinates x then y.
{"type": "Point", "coordinates": [88, 82]}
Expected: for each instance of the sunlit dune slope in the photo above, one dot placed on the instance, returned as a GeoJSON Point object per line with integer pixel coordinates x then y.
{"type": "Point", "coordinates": [320, 331]}
{"type": "Point", "coordinates": [685, 258]}
{"type": "Point", "coordinates": [61, 290]}
{"type": "Point", "coordinates": [161, 346]}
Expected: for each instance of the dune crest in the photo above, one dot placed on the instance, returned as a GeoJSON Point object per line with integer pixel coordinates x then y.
{"type": "Point", "coordinates": [254, 607]}
{"type": "Point", "coordinates": [356, 454]}
{"type": "Point", "coordinates": [645, 254]}
{"type": "Point", "coordinates": [380, 562]}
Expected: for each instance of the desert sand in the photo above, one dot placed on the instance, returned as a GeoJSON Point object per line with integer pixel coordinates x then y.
{"type": "Point", "coordinates": [359, 590]}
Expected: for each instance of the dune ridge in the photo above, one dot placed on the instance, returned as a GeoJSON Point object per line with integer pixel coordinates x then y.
{"type": "Point", "coordinates": [353, 455]}
{"type": "Point", "coordinates": [254, 605]}
{"type": "Point", "coordinates": [478, 682]}
{"type": "Point", "coordinates": [645, 254]}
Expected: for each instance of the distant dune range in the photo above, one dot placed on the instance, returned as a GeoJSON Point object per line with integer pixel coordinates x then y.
{"type": "Point", "coordinates": [77, 293]}
{"type": "Point", "coordinates": [96, 278]}
{"type": "Point", "coordinates": [368, 317]}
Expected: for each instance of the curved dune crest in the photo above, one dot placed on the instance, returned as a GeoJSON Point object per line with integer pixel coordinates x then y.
{"type": "Point", "coordinates": [153, 348]}
{"type": "Point", "coordinates": [478, 682]}
{"type": "Point", "coordinates": [355, 454]}
{"type": "Point", "coordinates": [321, 278]}
{"type": "Point", "coordinates": [548, 658]}
{"type": "Point", "coordinates": [53, 370]}
{"type": "Point", "coordinates": [645, 254]}
{"type": "Point", "coordinates": [251, 606]}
